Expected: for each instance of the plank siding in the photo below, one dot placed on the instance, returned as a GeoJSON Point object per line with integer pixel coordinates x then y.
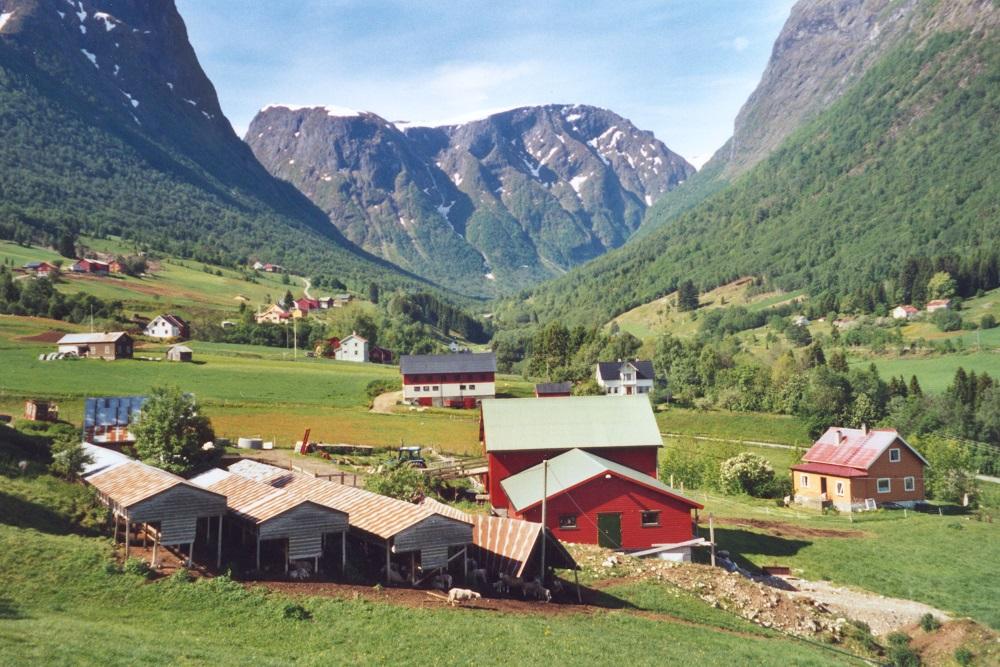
{"type": "Point", "coordinates": [304, 527]}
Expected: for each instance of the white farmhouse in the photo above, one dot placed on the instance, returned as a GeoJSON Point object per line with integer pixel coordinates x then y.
{"type": "Point", "coordinates": [625, 378]}
{"type": "Point", "coordinates": [352, 348]}
{"type": "Point", "coordinates": [904, 313]}
{"type": "Point", "coordinates": [167, 326]}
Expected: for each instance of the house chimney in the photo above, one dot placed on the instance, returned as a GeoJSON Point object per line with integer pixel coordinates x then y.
{"type": "Point", "coordinates": [837, 435]}
{"type": "Point", "coordinates": [864, 429]}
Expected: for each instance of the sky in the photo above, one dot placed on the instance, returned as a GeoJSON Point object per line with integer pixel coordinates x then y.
{"type": "Point", "coordinates": [681, 68]}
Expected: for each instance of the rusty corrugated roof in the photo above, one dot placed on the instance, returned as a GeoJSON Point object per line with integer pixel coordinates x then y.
{"type": "Point", "coordinates": [133, 482]}
{"type": "Point", "coordinates": [854, 447]}
{"type": "Point", "coordinates": [251, 500]}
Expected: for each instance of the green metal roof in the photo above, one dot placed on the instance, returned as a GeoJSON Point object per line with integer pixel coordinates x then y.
{"type": "Point", "coordinates": [571, 469]}
{"type": "Point", "coordinates": [513, 424]}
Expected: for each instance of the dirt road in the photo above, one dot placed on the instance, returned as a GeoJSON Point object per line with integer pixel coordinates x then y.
{"type": "Point", "coordinates": [385, 403]}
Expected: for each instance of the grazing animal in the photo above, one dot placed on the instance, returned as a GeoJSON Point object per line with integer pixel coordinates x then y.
{"type": "Point", "coordinates": [557, 586]}
{"type": "Point", "coordinates": [442, 581]}
{"type": "Point", "coordinates": [498, 587]}
{"type": "Point", "coordinates": [300, 571]}
{"type": "Point", "coordinates": [535, 589]}
{"type": "Point", "coordinates": [510, 583]}
{"type": "Point", "coordinates": [22, 465]}
{"type": "Point", "coordinates": [479, 577]}
{"type": "Point", "coordinates": [456, 595]}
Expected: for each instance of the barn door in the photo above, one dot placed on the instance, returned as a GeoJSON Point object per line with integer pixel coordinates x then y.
{"type": "Point", "coordinates": [609, 530]}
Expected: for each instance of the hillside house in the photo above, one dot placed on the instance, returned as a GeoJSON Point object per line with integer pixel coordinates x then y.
{"type": "Point", "coordinates": [180, 353]}
{"type": "Point", "coordinates": [592, 500]}
{"type": "Point", "coordinates": [519, 433]}
{"type": "Point", "coordinates": [341, 300]}
{"type": "Point", "coordinates": [379, 355]}
{"type": "Point", "coordinates": [115, 266]}
{"type": "Point", "coordinates": [273, 268]}
{"type": "Point", "coordinates": [448, 380]}
{"type": "Point", "coordinates": [167, 326]}
{"type": "Point", "coordinates": [258, 266]}
{"type": "Point", "coordinates": [851, 468]}
{"type": "Point", "coordinates": [938, 304]}
{"type": "Point", "coordinates": [91, 266]}
{"type": "Point", "coordinates": [108, 345]}
{"type": "Point", "coordinates": [305, 305]}
{"type": "Point", "coordinates": [352, 348]}
{"type": "Point", "coordinates": [553, 389]}
{"type": "Point", "coordinates": [325, 302]}
{"type": "Point", "coordinates": [273, 314]}
{"type": "Point", "coordinates": [625, 378]}
{"type": "Point", "coordinates": [904, 312]}
{"type": "Point", "coordinates": [800, 321]}
{"type": "Point", "coordinates": [41, 269]}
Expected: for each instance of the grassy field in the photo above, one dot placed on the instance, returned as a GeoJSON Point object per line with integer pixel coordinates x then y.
{"type": "Point", "coordinates": [780, 459]}
{"type": "Point", "coordinates": [936, 372]}
{"type": "Point", "coordinates": [71, 608]}
{"type": "Point", "coordinates": [722, 424]}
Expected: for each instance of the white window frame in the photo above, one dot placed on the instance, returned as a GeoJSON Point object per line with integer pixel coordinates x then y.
{"type": "Point", "coordinates": [909, 483]}
{"type": "Point", "coordinates": [645, 524]}
{"type": "Point", "coordinates": [804, 481]}
{"type": "Point", "coordinates": [898, 453]}
{"type": "Point", "coordinates": [839, 486]}
{"type": "Point", "coordinates": [564, 523]}
{"type": "Point", "coordinates": [888, 485]}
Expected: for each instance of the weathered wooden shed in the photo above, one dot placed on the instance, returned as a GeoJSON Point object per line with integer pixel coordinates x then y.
{"type": "Point", "coordinates": [269, 513]}
{"type": "Point", "coordinates": [167, 506]}
{"type": "Point", "coordinates": [430, 538]}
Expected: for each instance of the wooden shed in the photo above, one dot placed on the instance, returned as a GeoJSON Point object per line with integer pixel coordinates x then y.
{"type": "Point", "coordinates": [268, 513]}
{"type": "Point", "coordinates": [180, 353]}
{"type": "Point", "coordinates": [167, 506]}
{"type": "Point", "coordinates": [430, 539]}
{"type": "Point", "coordinates": [108, 345]}
{"type": "Point", "coordinates": [42, 411]}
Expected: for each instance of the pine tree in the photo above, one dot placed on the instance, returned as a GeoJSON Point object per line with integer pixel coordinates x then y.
{"type": "Point", "coordinates": [687, 296]}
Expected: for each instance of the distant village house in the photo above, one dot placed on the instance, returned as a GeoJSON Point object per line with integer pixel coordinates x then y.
{"type": "Point", "coordinates": [108, 345]}
{"type": "Point", "coordinates": [168, 326]}
{"type": "Point", "coordinates": [273, 314]}
{"type": "Point", "coordinates": [91, 266]}
{"type": "Point", "coordinates": [625, 378]}
{"type": "Point", "coordinates": [448, 380]}
{"type": "Point", "coordinates": [904, 312]}
{"type": "Point", "coordinates": [938, 304]}
{"type": "Point", "coordinates": [352, 348]}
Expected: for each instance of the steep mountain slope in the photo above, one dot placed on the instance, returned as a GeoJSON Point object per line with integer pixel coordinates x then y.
{"type": "Point", "coordinates": [109, 124]}
{"type": "Point", "coordinates": [905, 163]}
{"type": "Point", "coordinates": [824, 47]}
{"type": "Point", "coordinates": [491, 205]}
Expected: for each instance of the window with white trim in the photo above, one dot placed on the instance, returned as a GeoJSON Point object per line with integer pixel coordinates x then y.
{"type": "Point", "coordinates": [567, 522]}
{"type": "Point", "coordinates": [839, 488]}
{"type": "Point", "coordinates": [894, 455]}
{"type": "Point", "coordinates": [804, 480]}
{"type": "Point", "coordinates": [650, 519]}
{"type": "Point", "coordinates": [884, 485]}
{"type": "Point", "coordinates": [909, 483]}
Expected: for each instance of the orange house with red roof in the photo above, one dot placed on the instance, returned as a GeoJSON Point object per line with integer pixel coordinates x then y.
{"type": "Point", "coordinates": [853, 468]}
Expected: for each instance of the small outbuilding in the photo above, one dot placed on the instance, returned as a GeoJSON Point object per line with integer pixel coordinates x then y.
{"type": "Point", "coordinates": [553, 389]}
{"type": "Point", "coordinates": [180, 353]}
{"type": "Point", "coordinates": [108, 345]}
{"type": "Point", "coordinates": [41, 411]}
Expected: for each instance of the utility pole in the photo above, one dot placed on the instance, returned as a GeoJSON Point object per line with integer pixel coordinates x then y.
{"type": "Point", "coordinates": [295, 339]}
{"type": "Point", "coordinates": [545, 497]}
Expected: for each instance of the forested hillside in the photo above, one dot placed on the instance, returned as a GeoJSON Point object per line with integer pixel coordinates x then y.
{"type": "Point", "coordinates": [108, 125]}
{"type": "Point", "coordinates": [903, 166]}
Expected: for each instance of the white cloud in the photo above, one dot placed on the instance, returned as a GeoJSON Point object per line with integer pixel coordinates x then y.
{"type": "Point", "coordinates": [740, 43]}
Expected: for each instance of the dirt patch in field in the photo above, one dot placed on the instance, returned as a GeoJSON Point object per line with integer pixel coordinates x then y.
{"type": "Point", "coordinates": [938, 647]}
{"type": "Point", "coordinates": [44, 337]}
{"type": "Point", "coordinates": [386, 403]}
{"type": "Point", "coordinates": [781, 529]}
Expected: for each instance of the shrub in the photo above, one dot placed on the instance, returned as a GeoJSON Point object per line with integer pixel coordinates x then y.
{"type": "Point", "coordinates": [182, 576]}
{"type": "Point", "coordinates": [68, 457]}
{"type": "Point", "coordinates": [963, 656]}
{"type": "Point", "coordinates": [947, 320]}
{"type": "Point", "coordinates": [397, 481]}
{"type": "Point", "coordinates": [746, 473]}
{"type": "Point", "coordinates": [899, 652]}
{"type": "Point", "coordinates": [988, 322]}
{"type": "Point", "coordinates": [382, 385]}
{"type": "Point", "coordinates": [295, 612]}
{"type": "Point", "coordinates": [138, 567]}
{"type": "Point", "coordinates": [929, 622]}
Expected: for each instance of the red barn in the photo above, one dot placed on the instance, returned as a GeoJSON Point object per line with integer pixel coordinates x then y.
{"type": "Point", "coordinates": [91, 266]}
{"type": "Point", "coordinates": [448, 380]}
{"type": "Point", "coordinates": [592, 500]}
{"type": "Point", "coordinates": [602, 454]}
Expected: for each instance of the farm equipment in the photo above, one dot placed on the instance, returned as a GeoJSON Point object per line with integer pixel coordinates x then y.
{"type": "Point", "coordinates": [303, 446]}
{"type": "Point", "coordinates": [410, 456]}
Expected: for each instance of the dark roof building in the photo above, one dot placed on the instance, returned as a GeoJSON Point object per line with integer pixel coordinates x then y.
{"type": "Point", "coordinates": [448, 380]}
{"type": "Point", "coordinates": [550, 389]}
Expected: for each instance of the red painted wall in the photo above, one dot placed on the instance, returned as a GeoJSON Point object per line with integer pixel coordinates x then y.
{"type": "Point", "coordinates": [616, 495]}
{"type": "Point", "coordinates": [502, 465]}
{"type": "Point", "coordinates": [446, 378]}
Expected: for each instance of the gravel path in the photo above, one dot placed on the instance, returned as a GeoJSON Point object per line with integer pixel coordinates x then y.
{"type": "Point", "coordinates": [385, 403]}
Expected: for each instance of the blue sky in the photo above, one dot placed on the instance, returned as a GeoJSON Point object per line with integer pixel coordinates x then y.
{"type": "Point", "coordinates": [681, 68]}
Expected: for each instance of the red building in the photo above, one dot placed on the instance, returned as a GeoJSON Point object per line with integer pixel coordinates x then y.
{"type": "Point", "coordinates": [592, 500]}
{"type": "Point", "coordinates": [448, 380]}
{"type": "Point", "coordinates": [92, 266]}
{"type": "Point", "coordinates": [520, 433]}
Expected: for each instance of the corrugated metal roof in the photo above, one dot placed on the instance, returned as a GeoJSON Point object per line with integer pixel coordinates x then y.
{"type": "Point", "coordinates": [376, 514]}
{"type": "Point", "coordinates": [565, 422]}
{"type": "Point", "coordinates": [553, 387]}
{"type": "Point", "coordinates": [133, 482]}
{"type": "Point", "coordinates": [79, 338]}
{"type": "Point", "coordinates": [251, 500]}
{"type": "Point", "coordinates": [854, 447]}
{"type": "Point", "coordinates": [462, 362]}
{"type": "Point", "coordinates": [102, 459]}
{"type": "Point", "coordinates": [571, 469]}
{"type": "Point", "coordinates": [507, 544]}
{"type": "Point", "coordinates": [611, 370]}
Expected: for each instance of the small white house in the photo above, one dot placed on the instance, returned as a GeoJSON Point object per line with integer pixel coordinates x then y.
{"type": "Point", "coordinates": [625, 378]}
{"type": "Point", "coordinates": [938, 304]}
{"type": "Point", "coordinates": [904, 312]}
{"type": "Point", "coordinates": [167, 326]}
{"type": "Point", "coordinates": [800, 321]}
{"type": "Point", "coordinates": [352, 348]}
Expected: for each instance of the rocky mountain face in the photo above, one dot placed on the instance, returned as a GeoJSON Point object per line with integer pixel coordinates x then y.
{"type": "Point", "coordinates": [486, 206]}
{"type": "Point", "coordinates": [109, 124]}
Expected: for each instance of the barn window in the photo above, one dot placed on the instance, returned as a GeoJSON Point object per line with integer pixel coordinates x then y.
{"type": "Point", "coordinates": [567, 521]}
{"type": "Point", "coordinates": [884, 485]}
{"type": "Point", "coordinates": [804, 480]}
{"type": "Point", "coordinates": [894, 455]}
{"type": "Point", "coordinates": [462, 387]}
{"type": "Point", "coordinates": [426, 388]}
{"type": "Point", "coordinates": [650, 519]}
{"type": "Point", "coordinates": [909, 483]}
{"type": "Point", "coordinates": [472, 386]}
{"type": "Point", "coordinates": [416, 389]}
{"type": "Point", "coordinates": [436, 387]}
{"type": "Point", "coordinates": [840, 488]}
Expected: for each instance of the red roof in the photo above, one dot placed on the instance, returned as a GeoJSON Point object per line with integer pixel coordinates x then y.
{"type": "Point", "coordinates": [854, 447]}
{"type": "Point", "coordinates": [829, 469]}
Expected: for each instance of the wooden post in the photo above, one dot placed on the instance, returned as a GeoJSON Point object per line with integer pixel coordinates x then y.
{"type": "Point", "coordinates": [413, 568]}
{"type": "Point", "coordinates": [218, 545]}
{"type": "Point", "coordinates": [387, 562]}
{"type": "Point", "coordinates": [315, 565]}
{"type": "Point", "coordinates": [711, 536]}
{"type": "Point", "coordinates": [258, 552]}
{"type": "Point", "coordinates": [190, 553]}
{"type": "Point", "coordinates": [465, 563]}
{"type": "Point", "coordinates": [545, 494]}
{"type": "Point", "coordinates": [343, 552]}
{"type": "Point", "coordinates": [127, 540]}
{"type": "Point", "coordinates": [576, 578]}
{"type": "Point", "coordinates": [156, 549]}
{"type": "Point", "coordinates": [286, 556]}
{"type": "Point", "coordinates": [145, 535]}
{"type": "Point", "coordinates": [115, 538]}
{"type": "Point", "coordinates": [671, 480]}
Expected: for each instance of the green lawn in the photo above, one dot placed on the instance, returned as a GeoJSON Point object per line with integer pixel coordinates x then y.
{"type": "Point", "coordinates": [60, 604]}
{"type": "Point", "coordinates": [936, 372]}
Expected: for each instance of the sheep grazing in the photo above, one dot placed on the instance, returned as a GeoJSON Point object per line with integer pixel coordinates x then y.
{"type": "Point", "coordinates": [456, 595]}
{"type": "Point", "coordinates": [536, 590]}
{"type": "Point", "coordinates": [442, 581]}
{"type": "Point", "coordinates": [509, 583]}
{"type": "Point", "coordinates": [480, 578]}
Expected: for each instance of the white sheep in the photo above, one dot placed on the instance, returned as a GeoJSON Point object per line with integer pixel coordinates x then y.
{"type": "Point", "coordinates": [456, 595]}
